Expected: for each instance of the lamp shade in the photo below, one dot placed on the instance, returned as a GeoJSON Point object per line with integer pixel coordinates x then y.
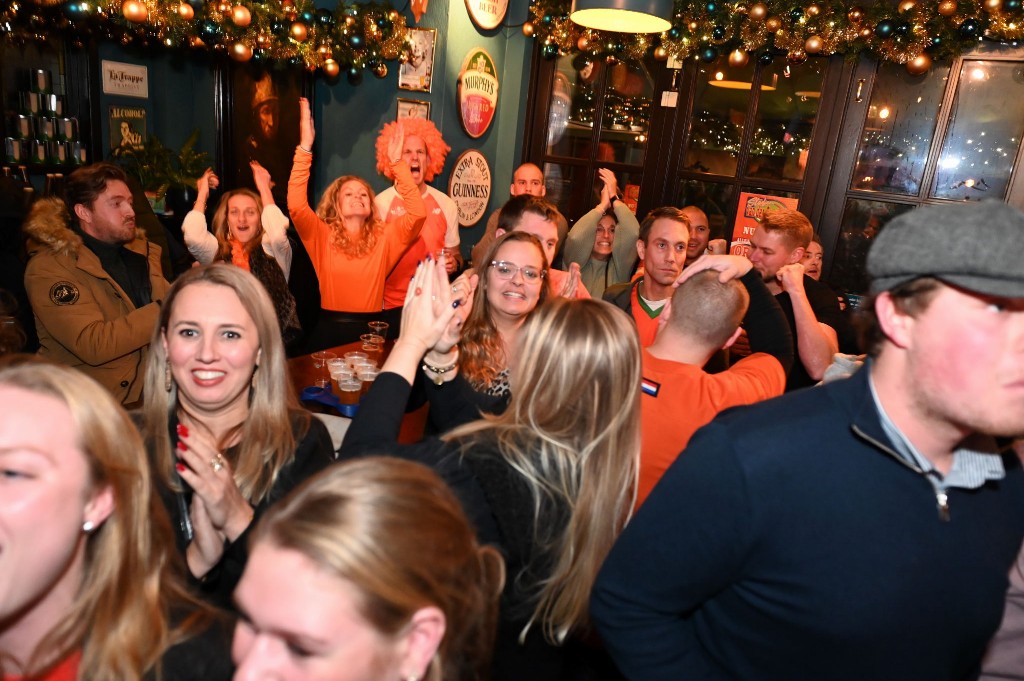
{"type": "Point", "coordinates": [623, 16]}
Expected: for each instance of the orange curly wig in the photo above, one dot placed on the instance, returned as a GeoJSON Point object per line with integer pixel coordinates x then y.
{"type": "Point", "coordinates": [437, 150]}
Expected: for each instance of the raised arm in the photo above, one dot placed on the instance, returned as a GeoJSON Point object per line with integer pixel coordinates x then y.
{"type": "Point", "coordinates": [406, 228]}
{"type": "Point", "coordinates": [306, 221]}
{"type": "Point", "coordinates": [275, 224]}
{"type": "Point", "coordinates": [816, 343]}
{"type": "Point", "coordinates": [198, 239]}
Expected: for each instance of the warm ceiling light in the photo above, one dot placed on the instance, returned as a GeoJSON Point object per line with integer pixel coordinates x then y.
{"type": "Point", "coordinates": [739, 85]}
{"type": "Point", "coordinates": [808, 94]}
{"type": "Point", "coordinates": [623, 16]}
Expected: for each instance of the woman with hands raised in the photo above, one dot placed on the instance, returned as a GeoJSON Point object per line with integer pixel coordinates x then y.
{"type": "Point", "coordinates": [351, 248]}
{"type": "Point", "coordinates": [249, 231]}
{"type": "Point", "coordinates": [225, 432]}
{"type": "Point", "coordinates": [550, 481]}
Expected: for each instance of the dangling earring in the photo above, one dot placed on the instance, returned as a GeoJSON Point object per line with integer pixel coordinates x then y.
{"type": "Point", "coordinates": [88, 526]}
{"type": "Point", "coordinates": [168, 379]}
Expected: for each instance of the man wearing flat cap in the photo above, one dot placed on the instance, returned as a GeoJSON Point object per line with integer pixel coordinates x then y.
{"type": "Point", "coordinates": [864, 529]}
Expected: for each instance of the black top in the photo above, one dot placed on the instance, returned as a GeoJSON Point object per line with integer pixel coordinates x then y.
{"type": "Point", "coordinates": [826, 308]}
{"type": "Point", "coordinates": [129, 269]}
{"type": "Point", "coordinates": [313, 454]}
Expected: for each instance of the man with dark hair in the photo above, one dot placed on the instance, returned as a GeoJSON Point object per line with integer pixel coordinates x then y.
{"type": "Point", "coordinates": [664, 235]}
{"type": "Point", "coordinates": [537, 216]}
{"type": "Point", "coordinates": [95, 284]}
{"type": "Point", "coordinates": [527, 180]}
{"type": "Point", "coordinates": [704, 315]}
{"type": "Point", "coordinates": [777, 249]}
{"type": "Point", "coordinates": [700, 242]}
{"type": "Point", "coordinates": [863, 529]}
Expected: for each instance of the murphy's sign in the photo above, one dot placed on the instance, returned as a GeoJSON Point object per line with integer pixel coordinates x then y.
{"type": "Point", "coordinates": [478, 92]}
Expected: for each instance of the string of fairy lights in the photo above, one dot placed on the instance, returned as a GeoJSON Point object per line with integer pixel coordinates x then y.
{"type": "Point", "coordinates": [364, 36]}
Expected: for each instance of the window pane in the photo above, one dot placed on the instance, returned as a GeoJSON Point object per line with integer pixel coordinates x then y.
{"type": "Point", "coordinates": [987, 121]}
{"type": "Point", "coordinates": [899, 129]}
{"type": "Point", "coordinates": [720, 112]}
{"type": "Point", "coordinates": [716, 199]}
{"type": "Point", "coordinates": [862, 221]}
{"type": "Point", "coordinates": [627, 114]}
{"type": "Point", "coordinates": [785, 117]}
{"type": "Point", "coordinates": [560, 179]}
{"type": "Point", "coordinates": [571, 110]}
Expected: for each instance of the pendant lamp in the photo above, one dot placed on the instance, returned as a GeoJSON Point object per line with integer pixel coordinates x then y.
{"type": "Point", "coordinates": [623, 16]}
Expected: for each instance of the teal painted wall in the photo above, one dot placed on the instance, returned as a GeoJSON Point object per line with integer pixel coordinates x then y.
{"type": "Point", "coordinates": [347, 117]}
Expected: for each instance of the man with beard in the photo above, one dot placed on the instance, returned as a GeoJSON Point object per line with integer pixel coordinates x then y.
{"type": "Point", "coordinates": [863, 529]}
{"type": "Point", "coordinates": [95, 281]}
{"type": "Point", "coordinates": [664, 235]}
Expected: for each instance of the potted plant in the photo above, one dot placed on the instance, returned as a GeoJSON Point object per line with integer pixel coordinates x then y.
{"type": "Point", "coordinates": [161, 169]}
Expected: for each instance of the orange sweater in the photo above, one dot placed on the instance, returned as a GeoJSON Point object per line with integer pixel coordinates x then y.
{"type": "Point", "coordinates": [349, 284]}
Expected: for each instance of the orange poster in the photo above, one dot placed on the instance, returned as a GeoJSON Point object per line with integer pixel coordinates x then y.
{"type": "Point", "coordinates": [751, 208]}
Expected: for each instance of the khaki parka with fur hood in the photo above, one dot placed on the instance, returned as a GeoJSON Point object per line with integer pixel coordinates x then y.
{"type": "Point", "coordinates": [84, 318]}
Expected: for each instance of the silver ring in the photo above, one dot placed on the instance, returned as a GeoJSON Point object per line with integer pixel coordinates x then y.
{"type": "Point", "coordinates": [217, 463]}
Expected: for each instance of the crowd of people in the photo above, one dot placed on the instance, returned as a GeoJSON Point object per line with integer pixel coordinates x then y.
{"type": "Point", "coordinates": [640, 463]}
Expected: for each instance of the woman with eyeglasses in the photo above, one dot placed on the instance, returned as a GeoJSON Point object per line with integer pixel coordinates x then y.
{"type": "Point", "coordinates": [511, 286]}
{"type": "Point", "coordinates": [550, 481]}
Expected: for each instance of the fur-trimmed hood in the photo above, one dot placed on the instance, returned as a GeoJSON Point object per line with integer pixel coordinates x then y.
{"type": "Point", "coordinates": [48, 225]}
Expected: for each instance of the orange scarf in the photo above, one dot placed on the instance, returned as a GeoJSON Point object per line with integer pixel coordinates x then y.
{"type": "Point", "coordinates": [239, 256]}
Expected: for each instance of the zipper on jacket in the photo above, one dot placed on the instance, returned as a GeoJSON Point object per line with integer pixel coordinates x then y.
{"type": "Point", "coordinates": [941, 497]}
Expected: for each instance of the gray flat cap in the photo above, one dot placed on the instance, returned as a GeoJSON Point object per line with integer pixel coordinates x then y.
{"type": "Point", "coordinates": [975, 246]}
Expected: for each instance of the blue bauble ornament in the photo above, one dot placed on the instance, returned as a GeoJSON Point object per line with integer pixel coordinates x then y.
{"type": "Point", "coordinates": [970, 28]}
{"type": "Point", "coordinates": [902, 28]}
{"type": "Point", "coordinates": [708, 54]}
{"type": "Point", "coordinates": [279, 27]}
{"type": "Point", "coordinates": [547, 19]}
{"type": "Point", "coordinates": [765, 58]}
{"type": "Point", "coordinates": [325, 17]}
{"type": "Point", "coordinates": [77, 10]}
{"type": "Point", "coordinates": [1011, 5]}
{"type": "Point", "coordinates": [796, 14]}
{"type": "Point", "coordinates": [885, 28]}
{"type": "Point", "coordinates": [549, 51]}
{"type": "Point", "coordinates": [307, 17]}
{"type": "Point", "coordinates": [711, 7]}
{"type": "Point", "coordinates": [356, 41]}
{"type": "Point", "coordinates": [355, 75]}
{"type": "Point", "coordinates": [674, 33]}
{"type": "Point", "coordinates": [209, 31]}
{"type": "Point", "coordinates": [718, 32]}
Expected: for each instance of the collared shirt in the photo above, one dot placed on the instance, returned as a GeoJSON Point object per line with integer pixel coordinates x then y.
{"type": "Point", "coordinates": [973, 465]}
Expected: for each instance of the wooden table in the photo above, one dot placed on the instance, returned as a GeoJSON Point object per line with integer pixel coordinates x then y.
{"type": "Point", "coordinates": [304, 374]}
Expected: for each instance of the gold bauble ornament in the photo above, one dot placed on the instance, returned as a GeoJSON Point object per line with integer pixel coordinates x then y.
{"type": "Point", "coordinates": [738, 58]}
{"type": "Point", "coordinates": [905, 6]}
{"type": "Point", "coordinates": [796, 57]}
{"type": "Point", "coordinates": [241, 15]}
{"type": "Point", "coordinates": [865, 33]}
{"type": "Point", "coordinates": [814, 44]}
{"type": "Point", "coordinates": [993, 5]}
{"type": "Point", "coordinates": [223, 7]}
{"type": "Point", "coordinates": [381, 70]}
{"type": "Point", "coordinates": [919, 65]}
{"type": "Point", "coordinates": [855, 15]}
{"type": "Point", "coordinates": [263, 41]}
{"type": "Point", "coordinates": [299, 31]}
{"type": "Point", "coordinates": [135, 11]}
{"type": "Point", "coordinates": [241, 52]}
{"type": "Point", "coordinates": [660, 53]}
{"type": "Point", "coordinates": [773, 24]}
{"type": "Point", "coordinates": [813, 10]}
{"type": "Point", "coordinates": [186, 12]}
{"type": "Point", "coordinates": [583, 43]}
{"type": "Point", "coordinates": [758, 11]}
{"type": "Point", "coordinates": [528, 29]}
{"type": "Point", "coordinates": [947, 8]}
{"type": "Point", "coordinates": [331, 68]}
{"type": "Point", "coordinates": [325, 51]}
{"type": "Point", "coordinates": [350, 21]}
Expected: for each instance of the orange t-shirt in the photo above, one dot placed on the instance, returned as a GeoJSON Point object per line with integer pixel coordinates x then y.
{"type": "Point", "coordinates": [350, 284]}
{"type": "Point", "coordinates": [431, 240]}
{"type": "Point", "coordinates": [678, 399]}
{"type": "Point", "coordinates": [67, 670]}
{"type": "Point", "coordinates": [646, 326]}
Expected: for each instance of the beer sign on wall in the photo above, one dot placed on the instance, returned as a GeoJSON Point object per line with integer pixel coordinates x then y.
{"type": "Point", "coordinates": [478, 92]}
{"type": "Point", "coordinates": [469, 186]}
{"type": "Point", "coordinates": [487, 14]}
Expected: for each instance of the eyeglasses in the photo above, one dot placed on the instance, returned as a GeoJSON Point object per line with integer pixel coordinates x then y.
{"type": "Point", "coordinates": [507, 270]}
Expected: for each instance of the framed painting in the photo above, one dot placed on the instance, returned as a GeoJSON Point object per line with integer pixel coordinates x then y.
{"type": "Point", "coordinates": [413, 108]}
{"type": "Point", "coordinates": [259, 121]}
{"type": "Point", "coordinates": [416, 72]}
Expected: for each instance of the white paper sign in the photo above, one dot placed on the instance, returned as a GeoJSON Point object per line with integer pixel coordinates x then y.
{"type": "Point", "coordinates": [127, 80]}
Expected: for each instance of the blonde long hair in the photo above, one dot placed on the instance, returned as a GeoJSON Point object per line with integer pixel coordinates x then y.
{"type": "Point", "coordinates": [572, 431]}
{"type": "Point", "coordinates": [220, 224]}
{"type": "Point", "coordinates": [394, 530]}
{"type": "Point", "coordinates": [481, 351]}
{"type": "Point", "coordinates": [131, 580]}
{"type": "Point", "coordinates": [267, 441]}
{"type": "Point", "coordinates": [327, 210]}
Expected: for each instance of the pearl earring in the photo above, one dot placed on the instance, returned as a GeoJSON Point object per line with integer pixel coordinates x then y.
{"type": "Point", "coordinates": [88, 526]}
